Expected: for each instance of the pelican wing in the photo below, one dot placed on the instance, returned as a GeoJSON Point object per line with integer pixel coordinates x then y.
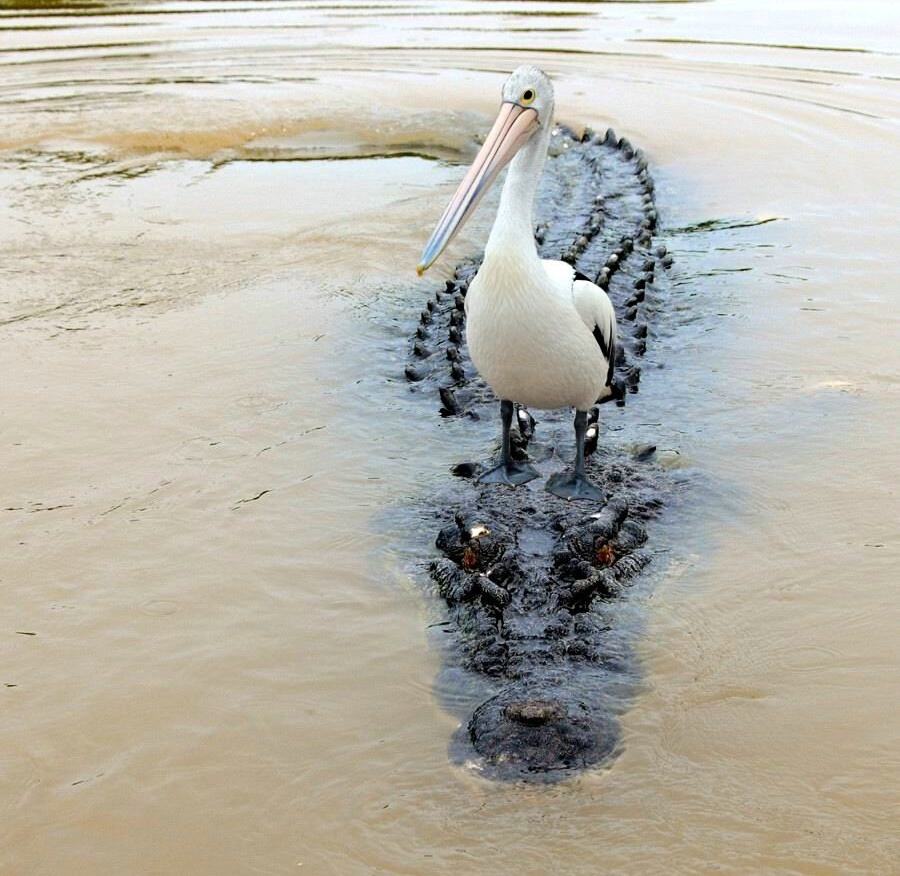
{"type": "Point", "coordinates": [595, 308]}
{"type": "Point", "coordinates": [562, 275]}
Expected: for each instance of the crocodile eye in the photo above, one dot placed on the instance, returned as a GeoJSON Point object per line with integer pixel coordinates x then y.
{"type": "Point", "coordinates": [527, 96]}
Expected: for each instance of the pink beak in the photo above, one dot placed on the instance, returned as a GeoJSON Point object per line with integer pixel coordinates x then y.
{"type": "Point", "coordinates": [515, 124]}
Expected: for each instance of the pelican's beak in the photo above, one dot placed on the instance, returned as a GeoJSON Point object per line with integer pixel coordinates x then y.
{"type": "Point", "coordinates": [514, 125]}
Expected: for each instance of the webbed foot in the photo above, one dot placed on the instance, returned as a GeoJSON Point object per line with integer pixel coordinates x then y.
{"type": "Point", "coordinates": [512, 473]}
{"type": "Point", "coordinates": [572, 486]}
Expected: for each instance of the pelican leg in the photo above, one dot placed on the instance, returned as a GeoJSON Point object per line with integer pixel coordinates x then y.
{"type": "Point", "coordinates": [574, 484]}
{"type": "Point", "coordinates": [510, 471]}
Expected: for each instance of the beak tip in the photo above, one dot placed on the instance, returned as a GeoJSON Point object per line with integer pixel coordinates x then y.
{"type": "Point", "coordinates": [421, 268]}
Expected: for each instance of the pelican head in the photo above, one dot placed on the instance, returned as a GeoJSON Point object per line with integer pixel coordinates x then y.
{"type": "Point", "coordinates": [527, 107]}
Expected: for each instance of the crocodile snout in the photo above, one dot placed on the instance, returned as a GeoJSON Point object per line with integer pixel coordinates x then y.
{"type": "Point", "coordinates": [533, 713]}
{"type": "Point", "coordinates": [536, 730]}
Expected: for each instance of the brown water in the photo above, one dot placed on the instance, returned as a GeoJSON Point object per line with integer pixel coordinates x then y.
{"type": "Point", "coordinates": [212, 658]}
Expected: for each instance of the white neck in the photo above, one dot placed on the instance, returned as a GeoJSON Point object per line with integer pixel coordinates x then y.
{"type": "Point", "coordinates": [512, 237]}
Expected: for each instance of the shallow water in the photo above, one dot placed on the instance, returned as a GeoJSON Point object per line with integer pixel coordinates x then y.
{"type": "Point", "coordinates": [213, 656]}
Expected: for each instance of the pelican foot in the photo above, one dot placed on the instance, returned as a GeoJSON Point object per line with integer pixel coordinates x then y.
{"type": "Point", "coordinates": [511, 473]}
{"type": "Point", "coordinates": [572, 486]}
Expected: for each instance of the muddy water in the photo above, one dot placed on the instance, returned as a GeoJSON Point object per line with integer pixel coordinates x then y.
{"type": "Point", "coordinates": [213, 657]}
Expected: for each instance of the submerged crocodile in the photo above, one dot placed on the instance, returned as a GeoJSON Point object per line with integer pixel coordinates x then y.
{"type": "Point", "coordinates": [528, 578]}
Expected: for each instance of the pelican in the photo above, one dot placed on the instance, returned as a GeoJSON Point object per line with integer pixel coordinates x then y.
{"type": "Point", "coordinates": [538, 333]}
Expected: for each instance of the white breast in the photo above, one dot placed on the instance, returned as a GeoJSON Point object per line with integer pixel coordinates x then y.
{"type": "Point", "coordinates": [528, 341]}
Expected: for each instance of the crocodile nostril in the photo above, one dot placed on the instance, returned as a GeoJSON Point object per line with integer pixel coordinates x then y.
{"type": "Point", "coordinates": [533, 713]}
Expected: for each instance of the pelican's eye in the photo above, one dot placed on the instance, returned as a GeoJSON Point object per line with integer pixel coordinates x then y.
{"type": "Point", "coordinates": [527, 96]}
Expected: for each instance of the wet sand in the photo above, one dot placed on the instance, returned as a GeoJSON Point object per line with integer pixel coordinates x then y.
{"type": "Point", "coordinates": [214, 657]}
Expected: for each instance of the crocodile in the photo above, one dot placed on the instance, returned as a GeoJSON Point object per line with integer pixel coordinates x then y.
{"type": "Point", "coordinates": [528, 579]}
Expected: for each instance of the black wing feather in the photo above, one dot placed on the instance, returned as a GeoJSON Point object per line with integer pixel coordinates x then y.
{"type": "Point", "coordinates": [609, 351]}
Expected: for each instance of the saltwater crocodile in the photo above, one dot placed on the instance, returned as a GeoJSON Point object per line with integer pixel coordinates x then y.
{"type": "Point", "coordinates": [528, 578]}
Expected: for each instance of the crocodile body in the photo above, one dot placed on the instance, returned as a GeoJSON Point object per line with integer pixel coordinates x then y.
{"type": "Point", "coordinates": [529, 580]}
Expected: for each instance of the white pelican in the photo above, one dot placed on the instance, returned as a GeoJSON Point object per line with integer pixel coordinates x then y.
{"type": "Point", "coordinates": [537, 334]}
